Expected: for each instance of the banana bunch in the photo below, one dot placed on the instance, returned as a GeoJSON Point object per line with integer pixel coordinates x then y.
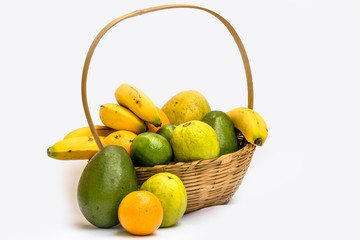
{"type": "Point", "coordinates": [250, 124]}
{"type": "Point", "coordinates": [134, 108]}
{"type": "Point", "coordinates": [133, 111]}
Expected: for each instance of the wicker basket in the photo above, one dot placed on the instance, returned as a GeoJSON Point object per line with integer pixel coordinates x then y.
{"type": "Point", "coordinates": [208, 182]}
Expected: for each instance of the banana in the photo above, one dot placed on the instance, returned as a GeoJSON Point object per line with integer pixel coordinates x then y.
{"type": "Point", "coordinates": [121, 118]}
{"type": "Point", "coordinates": [250, 123]}
{"type": "Point", "coordinates": [134, 99]}
{"type": "Point", "coordinates": [85, 131]}
{"type": "Point", "coordinates": [75, 148]}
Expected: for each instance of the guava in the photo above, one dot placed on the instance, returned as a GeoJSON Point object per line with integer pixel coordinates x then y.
{"type": "Point", "coordinates": [194, 140]}
{"type": "Point", "coordinates": [171, 192]}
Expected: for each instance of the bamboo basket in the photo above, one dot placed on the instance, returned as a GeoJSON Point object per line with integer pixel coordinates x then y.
{"type": "Point", "coordinates": [208, 182]}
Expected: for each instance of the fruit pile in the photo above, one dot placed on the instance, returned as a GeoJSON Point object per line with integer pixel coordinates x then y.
{"type": "Point", "coordinates": [138, 133]}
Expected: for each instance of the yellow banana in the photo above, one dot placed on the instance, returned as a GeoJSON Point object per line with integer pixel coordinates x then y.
{"type": "Point", "coordinates": [121, 118]}
{"type": "Point", "coordinates": [75, 148]}
{"type": "Point", "coordinates": [134, 99]}
{"type": "Point", "coordinates": [250, 123]}
{"type": "Point", "coordinates": [85, 131]}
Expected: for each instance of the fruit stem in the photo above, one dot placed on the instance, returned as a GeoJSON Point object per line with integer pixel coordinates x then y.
{"type": "Point", "coordinates": [258, 142]}
{"type": "Point", "coordinates": [187, 124]}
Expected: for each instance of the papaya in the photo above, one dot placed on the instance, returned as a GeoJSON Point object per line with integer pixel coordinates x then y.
{"type": "Point", "coordinates": [224, 129]}
{"type": "Point", "coordinates": [107, 178]}
{"type": "Point", "coordinates": [186, 106]}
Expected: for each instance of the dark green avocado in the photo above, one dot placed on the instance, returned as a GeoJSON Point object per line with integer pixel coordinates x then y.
{"type": "Point", "coordinates": [106, 180]}
{"type": "Point", "coordinates": [224, 129]}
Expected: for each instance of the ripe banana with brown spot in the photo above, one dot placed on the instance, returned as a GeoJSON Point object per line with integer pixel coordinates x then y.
{"type": "Point", "coordinates": [139, 103]}
{"type": "Point", "coordinates": [121, 118]}
{"type": "Point", "coordinates": [75, 148]}
{"type": "Point", "coordinates": [250, 123]}
{"type": "Point", "coordinates": [85, 131]}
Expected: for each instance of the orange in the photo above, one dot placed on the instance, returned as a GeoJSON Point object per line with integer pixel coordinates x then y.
{"type": "Point", "coordinates": [164, 121]}
{"type": "Point", "coordinates": [140, 213]}
{"type": "Point", "coordinates": [121, 138]}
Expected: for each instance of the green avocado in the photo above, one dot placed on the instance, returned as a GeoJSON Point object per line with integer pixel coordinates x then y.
{"type": "Point", "coordinates": [106, 180]}
{"type": "Point", "coordinates": [224, 129]}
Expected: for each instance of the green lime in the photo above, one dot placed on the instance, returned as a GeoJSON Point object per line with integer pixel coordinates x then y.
{"type": "Point", "coordinates": [149, 149]}
{"type": "Point", "coordinates": [166, 131]}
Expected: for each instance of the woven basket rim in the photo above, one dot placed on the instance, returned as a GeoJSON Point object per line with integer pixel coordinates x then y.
{"type": "Point", "coordinates": [188, 164]}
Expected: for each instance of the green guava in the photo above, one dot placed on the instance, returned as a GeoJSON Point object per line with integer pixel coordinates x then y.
{"type": "Point", "coordinates": [171, 192]}
{"type": "Point", "coordinates": [194, 140]}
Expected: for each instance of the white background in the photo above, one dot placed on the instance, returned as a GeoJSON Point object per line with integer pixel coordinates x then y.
{"type": "Point", "coordinates": [304, 183]}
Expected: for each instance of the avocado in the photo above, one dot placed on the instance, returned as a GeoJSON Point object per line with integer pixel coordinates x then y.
{"type": "Point", "coordinates": [105, 181]}
{"type": "Point", "coordinates": [224, 129]}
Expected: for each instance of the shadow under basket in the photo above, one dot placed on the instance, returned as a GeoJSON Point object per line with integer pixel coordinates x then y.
{"type": "Point", "coordinates": [208, 182]}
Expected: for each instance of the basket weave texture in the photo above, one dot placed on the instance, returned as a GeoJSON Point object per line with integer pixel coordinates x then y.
{"type": "Point", "coordinates": [208, 182]}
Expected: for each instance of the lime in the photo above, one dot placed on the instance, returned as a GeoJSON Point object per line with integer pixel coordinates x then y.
{"type": "Point", "coordinates": [149, 149]}
{"type": "Point", "coordinates": [194, 140]}
{"type": "Point", "coordinates": [166, 131]}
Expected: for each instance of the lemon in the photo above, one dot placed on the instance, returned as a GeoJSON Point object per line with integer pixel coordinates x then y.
{"type": "Point", "coordinates": [194, 140]}
{"type": "Point", "coordinates": [149, 149]}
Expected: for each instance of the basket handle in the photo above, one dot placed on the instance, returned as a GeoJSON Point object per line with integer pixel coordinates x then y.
{"type": "Point", "coordinates": [148, 10]}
